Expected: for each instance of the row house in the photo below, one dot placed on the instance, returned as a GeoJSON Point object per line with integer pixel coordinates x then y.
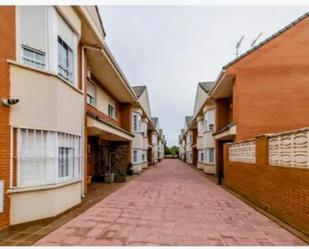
{"type": "Point", "coordinates": [141, 124]}
{"type": "Point", "coordinates": [157, 142]}
{"type": "Point", "coordinates": [67, 111]}
{"type": "Point", "coordinates": [196, 141]}
{"type": "Point", "coordinates": [161, 145]}
{"type": "Point", "coordinates": [261, 124]}
{"type": "Point", "coordinates": [182, 145]}
{"type": "Point", "coordinates": [189, 139]}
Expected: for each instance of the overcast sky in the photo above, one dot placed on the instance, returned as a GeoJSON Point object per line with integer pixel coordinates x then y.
{"type": "Point", "coordinates": [171, 49]}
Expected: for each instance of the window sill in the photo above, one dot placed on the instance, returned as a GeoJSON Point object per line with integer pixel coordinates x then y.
{"type": "Point", "coordinates": [49, 73]}
{"type": "Point", "coordinates": [208, 132]}
{"type": "Point", "coordinates": [42, 187]}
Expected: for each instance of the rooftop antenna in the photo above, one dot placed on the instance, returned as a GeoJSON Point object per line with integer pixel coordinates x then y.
{"type": "Point", "coordinates": [255, 40]}
{"type": "Point", "coordinates": [238, 45]}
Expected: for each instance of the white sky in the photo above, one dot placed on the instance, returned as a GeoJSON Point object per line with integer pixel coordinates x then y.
{"type": "Point", "coordinates": [171, 49]}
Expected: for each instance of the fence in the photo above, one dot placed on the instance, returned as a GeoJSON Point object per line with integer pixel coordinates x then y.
{"type": "Point", "coordinates": [243, 152]}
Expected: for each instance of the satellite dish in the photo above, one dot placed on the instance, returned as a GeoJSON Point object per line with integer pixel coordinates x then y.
{"type": "Point", "coordinates": [255, 40]}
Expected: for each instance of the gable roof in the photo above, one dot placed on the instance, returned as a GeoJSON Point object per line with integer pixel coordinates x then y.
{"type": "Point", "coordinates": [206, 86]}
{"type": "Point", "coordinates": [292, 24]}
{"type": "Point", "coordinates": [155, 121]}
{"type": "Point", "coordinates": [188, 119]}
{"type": "Point", "coordinates": [138, 90]}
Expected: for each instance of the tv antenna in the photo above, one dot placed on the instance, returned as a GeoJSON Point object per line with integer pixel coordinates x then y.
{"type": "Point", "coordinates": [255, 40]}
{"type": "Point", "coordinates": [238, 45]}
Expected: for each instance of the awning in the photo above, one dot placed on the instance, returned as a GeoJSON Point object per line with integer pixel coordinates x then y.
{"type": "Point", "coordinates": [223, 88]}
{"type": "Point", "coordinates": [226, 133]}
{"type": "Point", "coordinates": [103, 68]}
{"type": "Point", "coordinates": [107, 131]}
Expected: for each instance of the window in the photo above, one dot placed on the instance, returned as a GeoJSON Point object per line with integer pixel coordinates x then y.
{"type": "Point", "coordinates": [91, 94]}
{"type": "Point", "coordinates": [144, 128]}
{"type": "Point", "coordinates": [205, 125]}
{"type": "Point", "coordinates": [65, 161]}
{"type": "Point", "coordinates": [201, 156]}
{"type": "Point", "coordinates": [144, 156]}
{"type": "Point", "coordinates": [112, 110]}
{"type": "Point", "coordinates": [200, 127]}
{"type": "Point", "coordinates": [210, 120]}
{"type": "Point", "coordinates": [47, 157]}
{"type": "Point", "coordinates": [210, 155]}
{"type": "Point", "coordinates": [134, 156]}
{"type": "Point", "coordinates": [136, 122]}
{"type": "Point", "coordinates": [65, 60]}
{"type": "Point", "coordinates": [33, 58]}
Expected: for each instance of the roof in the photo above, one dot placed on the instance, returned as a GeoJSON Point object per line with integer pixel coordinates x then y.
{"type": "Point", "coordinates": [155, 121]}
{"type": "Point", "coordinates": [188, 119]}
{"type": "Point", "coordinates": [292, 24]}
{"type": "Point", "coordinates": [100, 20]}
{"type": "Point", "coordinates": [207, 86]}
{"type": "Point", "coordinates": [138, 90]}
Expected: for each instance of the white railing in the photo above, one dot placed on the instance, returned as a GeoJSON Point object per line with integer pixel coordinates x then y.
{"type": "Point", "coordinates": [243, 152]}
{"type": "Point", "coordinates": [289, 149]}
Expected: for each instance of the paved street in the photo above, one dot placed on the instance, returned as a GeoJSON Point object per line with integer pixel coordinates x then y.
{"type": "Point", "coordinates": [170, 204]}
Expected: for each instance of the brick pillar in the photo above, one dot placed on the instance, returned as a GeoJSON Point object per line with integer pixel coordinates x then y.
{"type": "Point", "coordinates": [261, 150]}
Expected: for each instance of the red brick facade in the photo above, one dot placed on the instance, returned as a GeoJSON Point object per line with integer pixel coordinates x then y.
{"type": "Point", "coordinates": [7, 51]}
{"type": "Point", "coordinates": [271, 92]}
{"type": "Point", "coordinates": [282, 191]}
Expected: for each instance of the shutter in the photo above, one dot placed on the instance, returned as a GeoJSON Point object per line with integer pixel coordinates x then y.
{"type": "Point", "coordinates": [33, 27]}
{"type": "Point", "coordinates": [65, 32]}
{"type": "Point", "coordinates": [211, 117]}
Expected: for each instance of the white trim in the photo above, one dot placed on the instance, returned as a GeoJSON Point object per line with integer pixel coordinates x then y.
{"type": "Point", "coordinates": [11, 155]}
{"type": "Point", "coordinates": [42, 187]}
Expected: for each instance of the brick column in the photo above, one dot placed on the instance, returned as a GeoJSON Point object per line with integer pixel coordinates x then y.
{"type": "Point", "coordinates": [261, 150]}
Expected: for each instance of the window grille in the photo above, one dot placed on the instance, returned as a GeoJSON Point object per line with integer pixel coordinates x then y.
{"type": "Point", "coordinates": [47, 157]}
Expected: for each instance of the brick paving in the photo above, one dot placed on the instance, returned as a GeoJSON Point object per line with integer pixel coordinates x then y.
{"type": "Point", "coordinates": [171, 204]}
{"type": "Point", "coordinates": [27, 234]}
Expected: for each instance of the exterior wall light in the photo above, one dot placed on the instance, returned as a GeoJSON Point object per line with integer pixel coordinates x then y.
{"type": "Point", "coordinates": [9, 102]}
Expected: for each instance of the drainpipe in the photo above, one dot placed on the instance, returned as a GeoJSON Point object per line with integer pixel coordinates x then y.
{"type": "Point", "coordinates": [84, 155]}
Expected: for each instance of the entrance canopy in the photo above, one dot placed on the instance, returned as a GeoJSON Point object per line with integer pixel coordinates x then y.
{"type": "Point", "coordinates": [107, 131]}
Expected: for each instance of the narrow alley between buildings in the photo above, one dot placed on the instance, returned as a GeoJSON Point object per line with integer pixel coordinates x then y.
{"type": "Point", "coordinates": [171, 204]}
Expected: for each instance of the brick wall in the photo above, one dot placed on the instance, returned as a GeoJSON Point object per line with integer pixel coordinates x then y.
{"type": "Point", "coordinates": [7, 51]}
{"type": "Point", "coordinates": [282, 191]}
{"type": "Point", "coordinates": [271, 91]}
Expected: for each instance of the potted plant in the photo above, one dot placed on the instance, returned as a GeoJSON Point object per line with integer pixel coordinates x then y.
{"type": "Point", "coordinates": [109, 177]}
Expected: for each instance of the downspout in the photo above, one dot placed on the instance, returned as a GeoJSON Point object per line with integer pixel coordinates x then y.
{"type": "Point", "coordinates": [84, 154]}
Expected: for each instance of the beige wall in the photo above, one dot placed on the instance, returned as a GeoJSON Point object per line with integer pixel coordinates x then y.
{"type": "Point", "coordinates": [200, 98]}
{"type": "Point", "coordinates": [143, 100]}
{"type": "Point", "coordinates": [102, 100]}
{"type": "Point", "coordinates": [208, 140]}
{"type": "Point", "coordinates": [200, 142]}
{"type": "Point", "coordinates": [40, 204]}
{"type": "Point", "coordinates": [71, 18]}
{"type": "Point", "coordinates": [209, 169]}
{"type": "Point", "coordinates": [138, 141]}
{"type": "Point", "coordinates": [46, 102]}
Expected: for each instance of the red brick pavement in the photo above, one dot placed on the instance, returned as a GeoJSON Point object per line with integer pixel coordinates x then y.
{"type": "Point", "coordinates": [171, 204]}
